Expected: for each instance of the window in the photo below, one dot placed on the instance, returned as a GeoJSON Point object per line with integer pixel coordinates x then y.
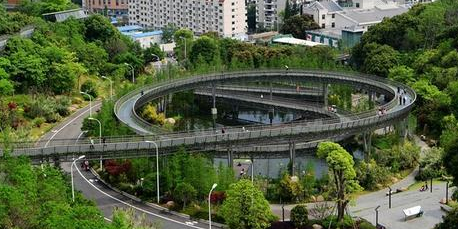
{"type": "Point", "coordinates": [333, 15]}
{"type": "Point", "coordinates": [323, 16]}
{"type": "Point", "coordinates": [333, 25]}
{"type": "Point", "coordinates": [357, 5]}
{"type": "Point", "coordinates": [323, 25]}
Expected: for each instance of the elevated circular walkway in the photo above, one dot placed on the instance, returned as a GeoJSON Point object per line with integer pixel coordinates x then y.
{"type": "Point", "coordinates": [253, 136]}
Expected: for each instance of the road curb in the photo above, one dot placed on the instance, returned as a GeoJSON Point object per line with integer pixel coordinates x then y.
{"type": "Point", "coordinates": [155, 206]}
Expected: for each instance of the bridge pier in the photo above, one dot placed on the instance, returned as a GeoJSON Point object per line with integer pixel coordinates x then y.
{"type": "Point", "coordinates": [402, 127]}
{"type": "Point", "coordinates": [367, 138]}
{"type": "Point", "coordinates": [371, 99]}
{"type": "Point", "coordinates": [230, 157]}
{"type": "Point", "coordinates": [292, 157]}
{"type": "Point", "coordinates": [325, 95]}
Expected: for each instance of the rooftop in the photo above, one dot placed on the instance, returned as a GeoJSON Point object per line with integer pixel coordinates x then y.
{"type": "Point", "coordinates": [295, 41]}
{"type": "Point", "coordinates": [368, 16]}
{"type": "Point", "coordinates": [147, 34]}
{"type": "Point", "coordinates": [129, 28]}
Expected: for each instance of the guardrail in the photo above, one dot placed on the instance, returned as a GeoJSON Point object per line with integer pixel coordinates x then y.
{"type": "Point", "coordinates": [307, 130]}
{"type": "Point", "coordinates": [376, 82]}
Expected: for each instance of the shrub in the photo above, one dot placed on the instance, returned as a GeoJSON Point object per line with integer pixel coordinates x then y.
{"type": "Point", "coordinates": [299, 215]}
{"type": "Point", "coordinates": [366, 225]}
{"type": "Point", "coordinates": [38, 121]}
{"type": "Point", "coordinates": [89, 87]}
{"type": "Point", "coordinates": [53, 117]}
{"type": "Point", "coordinates": [331, 222]}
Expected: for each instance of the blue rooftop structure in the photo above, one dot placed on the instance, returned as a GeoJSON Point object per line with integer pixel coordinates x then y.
{"type": "Point", "coordinates": [129, 28]}
{"type": "Point", "coordinates": [147, 34]}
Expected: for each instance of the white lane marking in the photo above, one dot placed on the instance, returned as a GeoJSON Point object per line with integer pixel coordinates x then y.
{"type": "Point", "coordinates": [57, 131]}
{"type": "Point", "coordinates": [137, 208]}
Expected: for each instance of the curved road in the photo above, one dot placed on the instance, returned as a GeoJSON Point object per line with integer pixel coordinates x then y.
{"type": "Point", "coordinates": [105, 198]}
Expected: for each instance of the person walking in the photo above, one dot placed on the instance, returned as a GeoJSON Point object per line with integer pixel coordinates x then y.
{"type": "Point", "coordinates": [92, 143]}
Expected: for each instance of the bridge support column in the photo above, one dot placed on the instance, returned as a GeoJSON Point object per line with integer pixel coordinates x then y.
{"type": "Point", "coordinates": [292, 158]}
{"type": "Point", "coordinates": [367, 138]}
{"type": "Point", "coordinates": [402, 127]}
{"type": "Point", "coordinates": [213, 110]}
{"type": "Point", "coordinates": [270, 88]}
{"type": "Point", "coordinates": [325, 95]}
{"type": "Point", "coordinates": [230, 157]}
{"type": "Point", "coordinates": [101, 164]}
{"type": "Point", "coordinates": [371, 99]}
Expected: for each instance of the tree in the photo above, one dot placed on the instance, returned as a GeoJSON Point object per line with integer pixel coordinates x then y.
{"type": "Point", "coordinates": [380, 60]}
{"type": "Point", "coordinates": [167, 33]}
{"type": "Point", "coordinates": [402, 74]}
{"type": "Point", "coordinates": [290, 189]}
{"type": "Point", "coordinates": [245, 207]}
{"type": "Point", "coordinates": [99, 28]}
{"type": "Point", "coordinates": [451, 160]}
{"type": "Point", "coordinates": [90, 87]}
{"type": "Point", "coordinates": [450, 220]}
{"type": "Point", "coordinates": [298, 24]}
{"type": "Point", "coordinates": [341, 167]}
{"type": "Point", "coordinates": [6, 86]}
{"type": "Point", "coordinates": [183, 37]}
{"type": "Point", "coordinates": [205, 47]}
{"type": "Point", "coordinates": [184, 192]}
{"type": "Point", "coordinates": [153, 49]}
{"type": "Point", "coordinates": [299, 216]}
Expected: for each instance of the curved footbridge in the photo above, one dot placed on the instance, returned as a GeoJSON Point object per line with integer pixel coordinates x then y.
{"type": "Point", "coordinates": [254, 138]}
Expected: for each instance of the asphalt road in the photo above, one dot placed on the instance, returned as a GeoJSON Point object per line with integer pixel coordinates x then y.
{"type": "Point", "coordinates": [70, 127]}
{"type": "Point", "coordinates": [105, 198]}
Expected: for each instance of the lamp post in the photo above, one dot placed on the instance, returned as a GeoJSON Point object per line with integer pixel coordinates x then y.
{"type": "Point", "coordinates": [157, 168]}
{"type": "Point", "coordinates": [133, 73]}
{"type": "Point", "coordinates": [252, 169]}
{"type": "Point", "coordinates": [446, 192]}
{"type": "Point", "coordinates": [79, 136]}
{"type": "Point", "coordinates": [71, 172]}
{"type": "Point", "coordinates": [90, 102]}
{"type": "Point", "coordinates": [100, 128]}
{"type": "Point", "coordinates": [111, 86]}
{"type": "Point", "coordinates": [389, 196]}
{"type": "Point", "coordinates": [376, 215]}
{"type": "Point", "coordinates": [209, 206]}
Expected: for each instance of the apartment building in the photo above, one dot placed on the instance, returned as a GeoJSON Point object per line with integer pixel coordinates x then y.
{"type": "Point", "coordinates": [227, 17]}
{"type": "Point", "coordinates": [109, 7]}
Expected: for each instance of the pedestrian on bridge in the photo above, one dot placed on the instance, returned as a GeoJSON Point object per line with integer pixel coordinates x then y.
{"type": "Point", "coordinates": [92, 143]}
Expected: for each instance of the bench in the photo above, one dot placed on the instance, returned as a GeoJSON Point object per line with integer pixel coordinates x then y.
{"type": "Point", "coordinates": [412, 212]}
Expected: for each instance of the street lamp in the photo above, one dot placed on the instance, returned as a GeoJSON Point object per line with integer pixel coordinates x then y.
{"type": "Point", "coordinates": [111, 86]}
{"type": "Point", "coordinates": [252, 169]}
{"type": "Point", "coordinates": [90, 102]}
{"type": "Point", "coordinates": [209, 206]}
{"type": "Point", "coordinates": [100, 128]}
{"type": "Point", "coordinates": [376, 216]}
{"type": "Point", "coordinates": [389, 196]}
{"type": "Point", "coordinates": [133, 73]}
{"type": "Point", "coordinates": [157, 168]}
{"type": "Point", "coordinates": [71, 172]}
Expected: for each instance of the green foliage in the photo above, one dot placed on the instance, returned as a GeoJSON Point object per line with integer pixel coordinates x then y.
{"type": "Point", "coordinates": [402, 74]}
{"type": "Point", "coordinates": [380, 59]}
{"type": "Point", "coordinates": [99, 28]}
{"type": "Point", "coordinates": [184, 193]}
{"type": "Point", "coordinates": [332, 222]}
{"type": "Point", "coordinates": [450, 220]}
{"type": "Point", "coordinates": [167, 33]}
{"type": "Point", "coordinates": [150, 114]}
{"type": "Point", "coordinates": [239, 213]}
{"type": "Point", "coordinates": [11, 23]}
{"type": "Point", "coordinates": [31, 197]}
{"type": "Point", "coordinates": [110, 124]}
{"type": "Point", "coordinates": [399, 157]}
{"type": "Point", "coordinates": [372, 176]}
{"type": "Point", "coordinates": [299, 216]}
{"type": "Point", "coordinates": [90, 88]}
{"type": "Point", "coordinates": [154, 49]}
{"type": "Point", "coordinates": [432, 164]}
{"type": "Point", "coordinates": [37, 8]}
{"type": "Point", "coordinates": [451, 160]}
{"type": "Point", "coordinates": [205, 48]}
{"type": "Point", "coordinates": [449, 130]}
{"type": "Point", "coordinates": [126, 219]}
{"type": "Point", "coordinates": [298, 24]}
{"type": "Point", "coordinates": [341, 166]}
{"type": "Point", "coordinates": [290, 190]}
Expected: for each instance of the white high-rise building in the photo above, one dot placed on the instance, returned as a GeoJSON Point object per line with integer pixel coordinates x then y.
{"type": "Point", "coordinates": [227, 17]}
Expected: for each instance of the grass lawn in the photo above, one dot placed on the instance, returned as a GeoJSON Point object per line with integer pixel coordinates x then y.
{"type": "Point", "coordinates": [417, 185]}
{"type": "Point", "coordinates": [37, 132]}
